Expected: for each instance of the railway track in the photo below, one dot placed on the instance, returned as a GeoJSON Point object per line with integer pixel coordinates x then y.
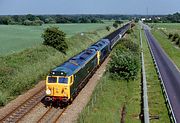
{"type": "Point", "coordinates": [20, 111]}
{"type": "Point", "coordinates": [52, 115]}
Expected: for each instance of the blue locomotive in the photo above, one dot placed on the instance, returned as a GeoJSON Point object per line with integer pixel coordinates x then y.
{"type": "Point", "coordinates": [64, 82]}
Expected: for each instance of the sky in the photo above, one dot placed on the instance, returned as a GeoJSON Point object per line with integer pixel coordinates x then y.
{"type": "Point", "coordinates": [143, 7]}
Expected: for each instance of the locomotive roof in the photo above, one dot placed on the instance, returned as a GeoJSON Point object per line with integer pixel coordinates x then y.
{"type": "Point", "coordinates": [99, 45]}
{"type": "Point", "coordinates": [72, 65]}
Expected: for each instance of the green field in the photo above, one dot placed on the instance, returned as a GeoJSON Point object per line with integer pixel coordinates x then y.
{"type": "Point", "coordinates": [168, 27]}
{"type": "Point", "coordinates": [15, 38]}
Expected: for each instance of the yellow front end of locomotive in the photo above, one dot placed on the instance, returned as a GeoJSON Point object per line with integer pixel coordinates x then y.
{"type": "Point", "coordinates": [57, 86]}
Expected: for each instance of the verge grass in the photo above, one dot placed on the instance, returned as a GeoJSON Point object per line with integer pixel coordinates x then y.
{"type": "Point", "coordinates": [156, 101]}
{"type": "Point", "coordinates": [110, 101]}
{"type": "Point", "coordinates": [21, 71]}
{"type": "Point", "coordinates": [110, 96]}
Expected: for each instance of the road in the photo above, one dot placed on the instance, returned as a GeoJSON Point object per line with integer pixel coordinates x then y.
{"type": "Point", "coordinates": [169, 73]}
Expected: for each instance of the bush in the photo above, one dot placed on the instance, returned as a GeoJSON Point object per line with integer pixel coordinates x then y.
{"type": "Point", "coordinates": [170, 35]}
{"type": "Point", "coordinates": [108, 28]}
{"type": "Point", "coordinates": [178, 41]}
{"type": "Point", "coordinates": [33, 23]}
{"type": "Point", "coordinates": [123, 65]}
{"type": "Point", "coordinates": [132, 25]}
{"type": "Point", "coordinates": [55, 38]}
{"type": "Point", "coordinates": [128, 44]}
{"type": "Point", "coordinates": [175, 37]}
{"type": "Point", "coordinates": [115, 25]}
{"type": "Point", "coordinates": [129, 31]}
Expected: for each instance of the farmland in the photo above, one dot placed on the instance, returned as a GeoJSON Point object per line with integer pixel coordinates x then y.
{"type": "Point", "coordinates": [15, 38]}
{"type": "Point", "coordinates": [170, 48]}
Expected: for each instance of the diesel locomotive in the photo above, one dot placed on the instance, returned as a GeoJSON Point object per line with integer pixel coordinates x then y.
{"type": "Point", "coordinates": [65, 81]}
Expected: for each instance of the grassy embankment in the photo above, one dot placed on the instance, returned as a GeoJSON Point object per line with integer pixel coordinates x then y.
{"type": "Point", "coordinates": [21, 71]}
{"type": "Point", "coordinates": [15, 38]}
{"type": "Point", "coordinates": [156, 100]}
{"type": "Point", "coordinates": [111, 96]}
{"type": "Point", "coordinates": [172, 51]}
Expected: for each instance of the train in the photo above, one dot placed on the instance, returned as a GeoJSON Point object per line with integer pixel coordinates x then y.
{"type": "Point", "coordinates": [65, 81]}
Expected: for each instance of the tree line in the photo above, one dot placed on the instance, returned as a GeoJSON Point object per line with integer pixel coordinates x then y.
{"type": "Point", "coordinates": [171, 18]}
{"type": "Point", "coordinates": [30, 19]}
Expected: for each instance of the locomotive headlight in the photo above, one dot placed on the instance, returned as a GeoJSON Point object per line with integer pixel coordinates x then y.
{"type": "Point", "coordinates": [48, 92]}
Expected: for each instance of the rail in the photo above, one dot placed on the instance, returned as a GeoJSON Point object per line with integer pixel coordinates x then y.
{"type": "Point", "coordinates": [145, 96]}
{"type": "Point", "coordinates": [24, 108]}
{"type": "Point", "coordinates": [171, 113]}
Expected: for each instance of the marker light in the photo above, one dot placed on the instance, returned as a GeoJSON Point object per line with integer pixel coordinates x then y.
{"type": "Point", "coordinates": [48, 92]}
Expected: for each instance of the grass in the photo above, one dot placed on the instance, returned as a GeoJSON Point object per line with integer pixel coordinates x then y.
{"type": "Point", "coordinates": [114, 95]}
{"type": "Point", "coordinates": [167, 27]}
{"type": "Point", "coordinates": [22, 70]}
{"type": "Point", "coordinates": [15, 38]}
{"type": "Point", "coordinates": [110, 101]}
{"type": "Point", "coordinates": [156, 100]}
{"type": "Point", "coordinates": [172, 51]}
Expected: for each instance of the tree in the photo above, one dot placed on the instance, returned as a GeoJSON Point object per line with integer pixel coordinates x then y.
{"type": "Point", "coordinates": [55, 38]}
{"type": "Point", "coordinates": [170, 35]}
{"type": "Point", "coordinates": [115, 25]}
{"type": "Point", "coordinates": [108, 28]}
{"type": "Point", "coordinates": [175, 37]}
{"type": "Point", "coordinates": [27, 22]}
{"type": "Point", "coordinates": [119, 22]}
{"type": "Point", "coordinates": [49, 20]}
{"type": "Point", "coordinates": [37, 22]}
{"type": "Point", "coordinates": [178, 41]}
{"type": "Point", "coordinates": [30, 17]}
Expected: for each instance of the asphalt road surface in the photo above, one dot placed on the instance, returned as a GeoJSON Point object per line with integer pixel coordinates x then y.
{"type": "Point", "coordinates": [169, 73]}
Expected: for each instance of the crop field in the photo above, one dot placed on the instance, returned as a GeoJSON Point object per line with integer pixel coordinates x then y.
{"type": "Point", "coordinates": [15, 38]}
{"type": "Point", "coordinates": [172, 50]}
{"type": "Point", "coordinates": [168, 27]}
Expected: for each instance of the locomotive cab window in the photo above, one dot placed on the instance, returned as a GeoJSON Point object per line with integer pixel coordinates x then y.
{"type": "Point", "coordinates": [63, 80]}
{"type": "Point", "coordinates": [52, 79]}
